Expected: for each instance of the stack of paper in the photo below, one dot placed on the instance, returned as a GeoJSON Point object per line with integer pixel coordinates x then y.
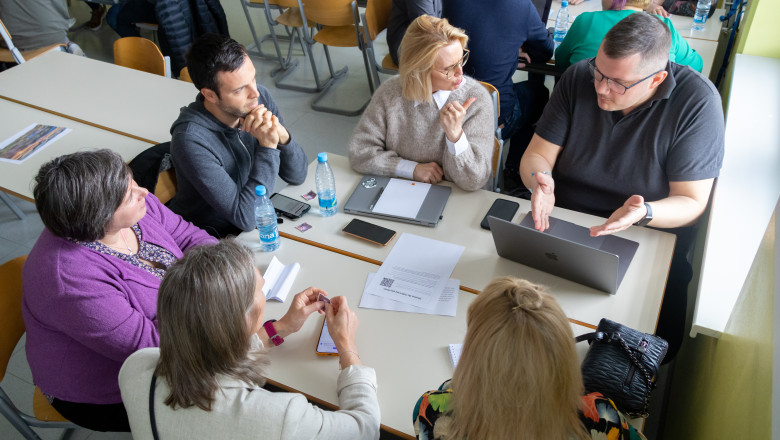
{"type": "Point", "coordinates": [279, 279]}
{"type": "Point", "coordinates": [415, 277]}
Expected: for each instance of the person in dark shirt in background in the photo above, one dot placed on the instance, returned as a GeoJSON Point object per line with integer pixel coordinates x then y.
{"type": "Point", "coordinates": [499, 34]}
{"type": "Point", "coordinates": [402, 15]}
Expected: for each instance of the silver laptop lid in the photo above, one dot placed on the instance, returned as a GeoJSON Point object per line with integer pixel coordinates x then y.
{"type": "Point", "coordinates": [566, 250]}
{"type": "Point", "coordinates": [367, 191]}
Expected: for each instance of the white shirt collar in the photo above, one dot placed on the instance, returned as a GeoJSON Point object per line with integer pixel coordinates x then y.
{"type": "Point", "coordinates": [440, 98]}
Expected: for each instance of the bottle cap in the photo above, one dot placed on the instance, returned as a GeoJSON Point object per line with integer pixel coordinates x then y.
{"type": "Point", "coordinates": [260, 190]}
{"type": "Point", "coordinates": [564, 3]}
{"type": "Point", "coordinates": [322, 157]}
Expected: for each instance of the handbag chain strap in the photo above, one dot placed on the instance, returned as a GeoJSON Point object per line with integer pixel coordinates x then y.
{"type": "Point", "coordinates": [648, 377]}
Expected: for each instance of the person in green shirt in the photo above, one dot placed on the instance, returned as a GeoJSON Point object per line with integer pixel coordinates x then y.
{"type": "Point", "coordinates": [585, 35]}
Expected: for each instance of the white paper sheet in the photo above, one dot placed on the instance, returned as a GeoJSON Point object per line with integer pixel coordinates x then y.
{"type": "Point", "coordinates": [447, 304]}
{"type": "Point", "coordinates": [455, 350]}
{"type": "Point", "coordinates": [279, 279]}
{"type": "Point", "coordinates": [416, 271]}
{"type": "Point", "coordinates": [402, 198]}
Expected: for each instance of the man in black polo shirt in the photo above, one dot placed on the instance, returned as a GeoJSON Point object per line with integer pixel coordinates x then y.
{"type": "Point", "coordinates": [630, 136]}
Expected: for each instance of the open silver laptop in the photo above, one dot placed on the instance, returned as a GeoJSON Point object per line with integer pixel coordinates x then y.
{"type": "Point", "coordinates": [369, 189]}
{"type": "Point", "coordinates": [566, 250]}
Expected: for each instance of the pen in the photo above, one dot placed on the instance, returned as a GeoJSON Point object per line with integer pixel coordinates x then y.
{"type": "Point", "coordinates": [376, 199]}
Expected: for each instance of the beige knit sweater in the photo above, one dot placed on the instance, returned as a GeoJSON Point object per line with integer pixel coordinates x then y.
{"type": "Point", "coordinates": [392, 128]}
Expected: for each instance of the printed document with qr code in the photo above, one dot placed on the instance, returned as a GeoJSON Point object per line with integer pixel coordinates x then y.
{"type": "Point", "coordinates": [416, 271]}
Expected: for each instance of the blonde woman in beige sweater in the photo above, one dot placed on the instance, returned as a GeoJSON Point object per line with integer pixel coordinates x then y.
{"type": "Point", "coordinates": [431, 122]}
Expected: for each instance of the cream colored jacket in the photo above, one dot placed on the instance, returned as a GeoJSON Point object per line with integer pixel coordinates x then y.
{"type": "Point", "coordinates": [244, 411]}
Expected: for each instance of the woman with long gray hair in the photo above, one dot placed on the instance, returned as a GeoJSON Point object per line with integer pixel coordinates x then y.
{"type": "Point", "coordinates": [90, 282]}
{"type": "Point", "coordinates": [206, 379]}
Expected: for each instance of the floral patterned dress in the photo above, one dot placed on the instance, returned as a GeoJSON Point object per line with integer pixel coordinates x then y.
{"type": "Point", "coordinates": [598, 414]}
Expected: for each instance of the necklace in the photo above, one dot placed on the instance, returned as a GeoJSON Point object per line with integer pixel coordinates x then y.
{"type": "Point", "coordinates": [121, 234]}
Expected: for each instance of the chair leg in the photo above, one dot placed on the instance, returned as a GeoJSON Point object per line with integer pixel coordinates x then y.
{"type": "Point", "coordinates": [12, 206]}
{"type": "Point", "coordinates": [258, 48]}
{"type": "Point", "coordinates": [315, 103]}
{"type": "Point", "coordinates": [8, 410]}
{"type": "Point", "coordinates": [67, 434]}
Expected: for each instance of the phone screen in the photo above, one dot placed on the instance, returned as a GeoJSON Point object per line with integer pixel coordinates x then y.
{"type": "Point", "coordinates": [291, 208]}
{"type": "Point", "coordinates": [369, 231]}
{"type": "Point", "coordinates": [325, 345]}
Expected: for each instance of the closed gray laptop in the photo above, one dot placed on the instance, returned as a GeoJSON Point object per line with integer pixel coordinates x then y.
{"type": "Point", "coordinates": [368, 191]}
{"type": "Point", "coordinates": [565, 250]}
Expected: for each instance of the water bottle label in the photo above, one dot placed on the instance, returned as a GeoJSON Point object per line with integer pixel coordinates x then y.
{"type": "Point", "coordinates": [269, 236]}
{"type": "Point", "coordinates": [327, 203]}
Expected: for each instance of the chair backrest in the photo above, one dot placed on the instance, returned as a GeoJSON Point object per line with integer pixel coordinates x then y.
{"type": "Point", "coordinates": [329, 12]}
{"type": "Point", "coordinates": [377, 16]}
{"type": "Point", "coordinates": [11, 323]}
{"type": "Point", "coordinates": [184, 74]}
{"type": "Point", "coordinates": [140, 54]}
{"type": "Point", "coordinates": [166, 185]}
{"type": "Point", "coordinates": [498, 144]}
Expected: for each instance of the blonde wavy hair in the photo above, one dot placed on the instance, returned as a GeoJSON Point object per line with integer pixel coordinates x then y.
{"type": "Point", "coordinates": [419, 49]}
{"type": "Point", "coordinates": [518, 376]}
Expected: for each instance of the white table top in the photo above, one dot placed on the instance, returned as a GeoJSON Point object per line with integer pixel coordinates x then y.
{"type": "Point", "coordinates": [16, 178]}
{"type": "Point", "coordinates": [682, 24]}
{"type": "Point", "coordinates": [636, 303]}
{"type": "Point", "coordinates": [407, 350]}
{"type": "Point", "coordinates": [131, 102]}
{"type": "Point", "coordinates": [745, 194]}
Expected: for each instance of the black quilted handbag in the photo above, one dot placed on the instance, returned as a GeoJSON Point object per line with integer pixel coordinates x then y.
{"type": "Point", "coordinates": [621, 364]}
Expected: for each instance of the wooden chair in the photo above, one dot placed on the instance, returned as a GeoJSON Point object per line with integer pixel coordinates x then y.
{"type": "Point", "coordinates": [153, 170]}
{"type": "Point", "coordinates": [11, 330]}
{"type": "Point", "coordinates": [14, 55]}
{"type": "Point", "coordinates": [141, 54]}
{"type": "Point", "coordinates": [166, 185]}
{"type": "Point", "coordinates": [498, 144]}
{"type": "Point", "coordinates": [184, 75]}
{"type": "Point", "coordinates": [374, 22]}
{"type": "Point", "coordinates": [336, 26]}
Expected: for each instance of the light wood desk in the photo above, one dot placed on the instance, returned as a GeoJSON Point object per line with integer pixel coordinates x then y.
{"type": "Point", "coordinates": [17, 179]}
{"type": "Point", "coordinates": [636, 303]}
{"type": "Point", "coordinates": [126, 101]}
{"type": "Point", "coordinates": [705, 42]}
{"type": "Point", "coordinates": [407, 350]}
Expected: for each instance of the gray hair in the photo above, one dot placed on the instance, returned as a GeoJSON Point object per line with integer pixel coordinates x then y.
{"type": "Point", "coordinates": [203, 311]}
{"type": "Point", "coordinates": [640, 33]}
{"type": "Point", "coordinates": [77, 194]}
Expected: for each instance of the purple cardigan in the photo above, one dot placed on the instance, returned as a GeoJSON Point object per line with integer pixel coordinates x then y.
{"type": "Point", "coordinates": [86, 312]}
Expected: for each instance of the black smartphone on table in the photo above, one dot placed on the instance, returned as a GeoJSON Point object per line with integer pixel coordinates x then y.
{"type": "Point", "coordinates": [501, 208]}
{"type": "Point", "coordinates": [289, 207]}
{"type": "Point", "coordinates": [369, 231]}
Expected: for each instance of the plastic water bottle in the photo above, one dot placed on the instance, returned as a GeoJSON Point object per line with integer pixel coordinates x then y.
{"type": "Point", "coordinates": [326, 186]}
{"type": "Point", "coordinates": [702, 10]}
{"type": "Point", "coordinates": [561, 23]}
{"type": "Point", "coordinates": [265, 219]}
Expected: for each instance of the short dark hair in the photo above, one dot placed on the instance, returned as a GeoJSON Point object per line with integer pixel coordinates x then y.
{"type": "Point", "coordinates": [211, 54]}
{"type": "Point", "coordinates": [77, 194]}
{"type": "Point", "coordinates": [640, 33]}
{"type": "Point", "coordinates": [203, 308]}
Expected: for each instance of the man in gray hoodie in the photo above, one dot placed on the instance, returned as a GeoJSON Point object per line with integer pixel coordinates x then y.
{"type": "Point", "coordinates": [231, 139]}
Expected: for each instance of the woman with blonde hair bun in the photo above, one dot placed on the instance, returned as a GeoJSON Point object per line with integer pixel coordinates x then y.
{"type": "Point", "coordinates": [431, 122]}
{"type": "Point", "coordinates": [518, 376]}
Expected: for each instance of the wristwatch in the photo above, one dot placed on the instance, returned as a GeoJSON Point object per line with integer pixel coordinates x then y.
{"type": "Point", "coordinates": [648, 216]}
{"type": "Point", "coordinates": [269, 328]}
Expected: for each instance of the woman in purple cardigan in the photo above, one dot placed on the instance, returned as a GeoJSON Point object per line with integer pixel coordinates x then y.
{"type": "Point", "coordinates": [90, 282]}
